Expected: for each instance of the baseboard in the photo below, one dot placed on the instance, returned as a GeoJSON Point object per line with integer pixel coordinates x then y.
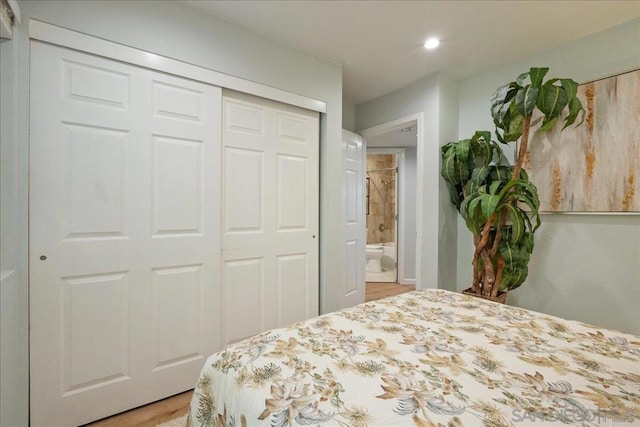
{"type": "Point", "coordinates": [407, 281]}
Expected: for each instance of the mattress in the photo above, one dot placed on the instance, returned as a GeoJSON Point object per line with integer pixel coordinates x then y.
{"type": "Point", "coordinates": [424, 358]}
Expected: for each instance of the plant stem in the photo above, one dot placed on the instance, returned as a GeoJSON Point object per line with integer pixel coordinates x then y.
{"type": "Point", "coordinates": [486, 232]}
{"type": "Point", "coordinates": [522, 152]}
{"type": "Point", "coordinates": [500, 264]}
{"type": "Point", "coordinates": [498, 238]}
{"type": "Point", "coordinates": [474, 264]}
{"type": "Point", "coordinates": [490, 282]}
{"type": "Point", "coordinates": [481, 243]}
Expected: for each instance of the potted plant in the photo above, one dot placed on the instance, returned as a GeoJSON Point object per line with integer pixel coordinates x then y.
{"type": "Point", "coordinates": [496, 199]}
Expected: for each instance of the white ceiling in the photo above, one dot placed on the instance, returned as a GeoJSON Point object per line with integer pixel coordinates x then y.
{"type": "Point", "coordinates": [379, 43]}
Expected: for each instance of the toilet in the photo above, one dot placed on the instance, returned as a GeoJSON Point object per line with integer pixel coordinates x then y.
{"type": "Point", "coordinates": [373, 255]}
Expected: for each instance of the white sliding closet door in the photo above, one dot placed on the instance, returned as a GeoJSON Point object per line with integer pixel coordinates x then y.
{"type": "Point", "coordinates": [124, 234]}
{"type": "Point", "coordinates": [270, 215]}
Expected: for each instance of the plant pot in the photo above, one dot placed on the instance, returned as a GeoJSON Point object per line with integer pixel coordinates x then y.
{"type": "Point", "coordinates": [500, 298]}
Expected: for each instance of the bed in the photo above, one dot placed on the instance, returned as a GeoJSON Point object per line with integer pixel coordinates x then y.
{"type": "Point", "coordinates": [424, 358]}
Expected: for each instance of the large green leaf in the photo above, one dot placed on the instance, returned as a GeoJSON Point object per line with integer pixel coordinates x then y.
{"type": "Point", "coordinates": [504, 114]}
{"type": "Point", "coordinates": [494, 187]}
{"type": "Point", "coordinates": [570, 87]}
{"type": "Point", "coordinates": [456, 162]}
{"type": "Point", "coordinates": [514, 130]}
{"type": "Point", "coordinates": [478, 176]}
{"type": "Point", "coordinates": [472, 214]}
{"type": "Point", "coordinates": [501, 105]}
{"type": "Point", "coordinates": [530, 201]}
{"type": "Point", "coordinates": [454, 196]}
{"type": "Point", "coordinates": [516, 259]}
{"type": "Point", "coordinates": [519, 186]}
{"type": "Point", "coordinates": [498, 99]}
{"type": "Point", "coordinates": [520, 191]}
{"type": "Point", "coordinates": [500, 173]}
{"type": "Point", "coordinates": [463, 147]}
{"type": "Point", "coordinates": [575, 108]}
{"type": "Point", "coordinates": [488, 204]}
{"type": "Point", "coordinates": [474, 222]}
{"type": "Point", "coordinates": [551, 100]}
{"type": "Point", "coordinates": [481, 135]}
{"type": "Point", "coordinates": [527, 242]}
{"type": "Point", "coordinates": [548, 123]}
{"type": "Point", "coordinates": [448, 169]}
{"type": "Point", "coordinates": [537, 75]}
{"type": "Point", "coordinates": [513, 278]}
{"type": "Point", "coordinates": [526, 100]}
{"type": "Point", "coordinates": [516, 216]}
{"type": "Point", "coordinates": [499, 159]}
{"type": "Point", "coordinates": [483, 153]}
{"type": "Point", "coordinates": [521, 78]}
{"type": "Point", "coordinates": [462, 167]}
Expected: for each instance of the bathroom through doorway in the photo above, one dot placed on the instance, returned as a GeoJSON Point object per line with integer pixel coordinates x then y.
{"type": "Point", "coordinates": [382, 215]}
{"type": "Point", "coordinates": [391, 202]}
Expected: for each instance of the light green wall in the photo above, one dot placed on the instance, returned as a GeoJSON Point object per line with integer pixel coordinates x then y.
{"type": "Point", "coordinates": [584, 267]}
{"type": "Point", "coordinates": [420, 96]}
{"type": "Point", "coordinates": [348, 117]}
{"type": "Point", "coordinates": [408, 239]}
{"type": "Point", "coordinates": [447, 224]}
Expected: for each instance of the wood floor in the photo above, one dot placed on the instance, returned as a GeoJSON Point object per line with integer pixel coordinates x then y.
{"type": "Point", "coordinates": [149, 415]}
{"type": "Point", "coordinates": [173, 407]}
{"type": "Point", "coordinates": [375, 291]}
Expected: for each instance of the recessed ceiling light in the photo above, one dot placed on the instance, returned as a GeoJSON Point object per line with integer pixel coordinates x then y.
{"type": "Point", "coordinates": [432, 43]}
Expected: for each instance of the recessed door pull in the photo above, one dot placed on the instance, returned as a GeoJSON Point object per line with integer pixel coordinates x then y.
{"type": "Point", "coordinates": [43, 257]}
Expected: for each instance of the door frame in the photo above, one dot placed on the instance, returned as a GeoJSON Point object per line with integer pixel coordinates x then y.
{"type": "Point", "coordinates": [420, 149]}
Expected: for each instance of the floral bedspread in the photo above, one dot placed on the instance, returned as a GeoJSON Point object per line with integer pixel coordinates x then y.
{"type": "Point", "coordinates": [425, 358]}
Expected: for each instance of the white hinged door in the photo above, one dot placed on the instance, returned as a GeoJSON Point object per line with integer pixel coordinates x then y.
{"type": "Point", "coordinates": [354, 168]}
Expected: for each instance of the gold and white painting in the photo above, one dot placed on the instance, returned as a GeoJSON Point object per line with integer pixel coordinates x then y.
{"type": "Point", "coordinates": [594, 167]}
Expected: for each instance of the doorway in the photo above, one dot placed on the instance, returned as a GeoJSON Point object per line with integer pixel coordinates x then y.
{"type": "Point", "coordinates": [392, 166]}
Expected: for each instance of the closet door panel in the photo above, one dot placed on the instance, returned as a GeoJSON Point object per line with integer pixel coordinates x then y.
{"type": "Point", "coordinates": [270, 193]}
{"type": "Point", "coordinates": [124, 234]}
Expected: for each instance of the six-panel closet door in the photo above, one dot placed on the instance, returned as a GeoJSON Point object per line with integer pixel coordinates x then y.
{"type": "Point", "coordinates": [166, 220]}
{"type": "Point", "coordinates": [124, 234]}
{"type": "Point", "coordinates": [270, 191]}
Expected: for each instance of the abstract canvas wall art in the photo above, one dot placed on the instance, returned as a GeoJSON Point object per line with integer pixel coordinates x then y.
{"type": "Point", "coordinates": [594, 167]}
